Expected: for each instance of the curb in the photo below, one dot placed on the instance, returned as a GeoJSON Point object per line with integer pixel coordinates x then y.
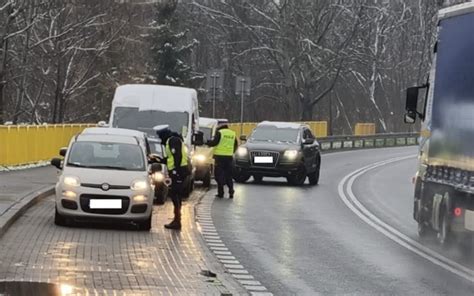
{"type": "Point", "coordinates": [229, 282]}
{"type": "Point", "coordinates": [221, 255]}
{"type": "Point", "coordinates": [21, 206]}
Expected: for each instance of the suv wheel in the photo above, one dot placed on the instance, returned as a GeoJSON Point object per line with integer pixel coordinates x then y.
{"type": "Point", "coordinates": [298, 178]}
{"type": "Point", "coordinates": [258, 178]}
{"type": "Point", "coordinates": [314, 177]}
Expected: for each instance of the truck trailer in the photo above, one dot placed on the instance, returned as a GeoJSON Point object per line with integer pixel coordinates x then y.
{"type": "Point", "coordinates": [444, 182]}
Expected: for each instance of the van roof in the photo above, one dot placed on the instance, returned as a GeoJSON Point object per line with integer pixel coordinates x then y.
{"type": "Point", "coordinates": [280, 124]}
{"type": "Point", "coordinates": [155, 97]}
{"type": "Point", "coordinates": [456, 10]}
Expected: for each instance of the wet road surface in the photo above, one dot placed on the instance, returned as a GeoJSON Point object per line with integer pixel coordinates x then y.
{"type": "Point", "coordinates": [308, 241]}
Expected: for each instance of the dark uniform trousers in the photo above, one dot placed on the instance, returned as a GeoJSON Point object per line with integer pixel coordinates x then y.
{"type": "Point", "coordinates": [223, 173]}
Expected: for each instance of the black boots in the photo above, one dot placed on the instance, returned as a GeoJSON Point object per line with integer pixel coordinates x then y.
{"type": "Point", "coordinates": [176, 223]}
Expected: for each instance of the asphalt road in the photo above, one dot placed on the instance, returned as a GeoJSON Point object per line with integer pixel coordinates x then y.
{"type": "Point", "coordinates": [346, 236]}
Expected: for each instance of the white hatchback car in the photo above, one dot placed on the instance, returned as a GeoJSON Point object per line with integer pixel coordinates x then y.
{"type": "Point", "coordinates": [104, 176]}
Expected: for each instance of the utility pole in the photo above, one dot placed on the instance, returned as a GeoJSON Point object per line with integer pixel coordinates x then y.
{"type": "Point", "coordinates": [242, 88]}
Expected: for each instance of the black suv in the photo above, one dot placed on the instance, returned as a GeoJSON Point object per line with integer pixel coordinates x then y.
{"type": "Point", "coordinates": [279, 149]}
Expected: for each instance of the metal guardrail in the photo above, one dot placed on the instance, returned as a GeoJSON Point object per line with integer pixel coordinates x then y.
{"type": "Point", "coordinates": [335, 143]}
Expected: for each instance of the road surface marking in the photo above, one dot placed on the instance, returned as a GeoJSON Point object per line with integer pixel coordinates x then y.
{"type": "Point", "coordinates": [215, 244]}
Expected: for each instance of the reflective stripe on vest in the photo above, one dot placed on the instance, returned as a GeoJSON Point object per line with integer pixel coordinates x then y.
{"type": "Point", "coordinates": [170, 160]}
{"type": "Point", "coordinates": [226, 143]}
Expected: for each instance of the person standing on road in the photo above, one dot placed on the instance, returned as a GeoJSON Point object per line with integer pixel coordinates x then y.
{"type": "Point", "coordinates": [225, 143]}
{"type": "Point", "coordinates": [177, 163]}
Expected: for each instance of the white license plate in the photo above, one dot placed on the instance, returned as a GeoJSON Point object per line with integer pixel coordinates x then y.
{"type": "Point", "coordinates": [263, 159]}
{"type": "Point", "coordinates": [469, 220]}
{"type": "Point", "coordinates": [105, 204]}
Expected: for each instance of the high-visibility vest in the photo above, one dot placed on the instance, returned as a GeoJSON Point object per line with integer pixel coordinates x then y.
{"type": "Point", "coordinates": [170, 159]}
{"type": "Point", "coordinates": [226, 143]}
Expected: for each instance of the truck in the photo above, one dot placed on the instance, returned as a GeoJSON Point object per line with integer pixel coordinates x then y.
{"type": "Point", "coordinates": [142, 107]}
{"type": "Point", "coordinates": [444, 181]}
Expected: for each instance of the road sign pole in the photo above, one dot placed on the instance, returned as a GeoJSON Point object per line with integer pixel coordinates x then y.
{"type": "Point", "coordinates": [242, 94]}
{"type": "Point", "coordinates": [214, 78]}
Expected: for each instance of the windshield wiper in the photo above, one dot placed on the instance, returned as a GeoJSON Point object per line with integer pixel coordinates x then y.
{"type": "Point", "coordinates": [107, 167]}
{"type": "Point", "coordinates": [77, 165]}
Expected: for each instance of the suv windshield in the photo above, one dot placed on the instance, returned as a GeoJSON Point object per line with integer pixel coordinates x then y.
{"type": "Point", "coordinates": [144, 121]}
{"type": "Point", "coordinates": [106, 156]}
{"type": "Point", "coordinates": [274, 134]}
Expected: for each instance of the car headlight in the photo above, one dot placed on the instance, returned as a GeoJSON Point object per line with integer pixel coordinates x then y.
{"type": "Point", "coordinates": [290, 154]}
{"type": "Point", "coordinates": [158, 177]}
{"type": "Point", "coordinates": [139, 185]}
{"type": "Point", "coordinates": [200, 158]}
{"type": "Point", "coordinates": [242, 152]}
{"type": "Point", "coordinates": [72, 181]}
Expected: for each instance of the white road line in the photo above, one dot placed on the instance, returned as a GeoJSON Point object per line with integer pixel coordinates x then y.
{"type": "Point", "coordinates": [357, 208]}
{"type": "Point", "coordinates": [216, 245]}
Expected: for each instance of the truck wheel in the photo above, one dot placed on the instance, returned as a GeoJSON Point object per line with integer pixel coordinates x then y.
{"type": "Point", "coordinates": [258, 178]}
{"type": "Point", "coordinates": [206, 181]}
{"type": "Point", "coordinates": [424, 230]}
{"type": "Point", "coordinates": [59, 219]}
{"type": "Point", "coordinates": [444, 236]}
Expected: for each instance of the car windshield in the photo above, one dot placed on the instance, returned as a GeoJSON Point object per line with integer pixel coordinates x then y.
{"type": "Point", "coordinates": [207, 133]}
{"type": "Point", "coordinates": [133, 118]}
{"type": "Point", "coordinates": [275, 134]}
{"type": "Point", "coordinates": [106, 156]}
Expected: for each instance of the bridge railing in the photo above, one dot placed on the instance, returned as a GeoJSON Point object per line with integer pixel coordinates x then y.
{"type": "Point", "coordinates": [335, 143]}
{"type": "Point", "coordinates": [22, 145]}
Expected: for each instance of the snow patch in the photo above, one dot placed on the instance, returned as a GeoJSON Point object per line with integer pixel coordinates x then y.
{"type": "Point", "coordinates": [24, 167]}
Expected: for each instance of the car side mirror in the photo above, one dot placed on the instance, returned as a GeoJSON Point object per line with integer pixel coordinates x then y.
{"type": "Point", "coordinates": [63, 151]}
{"type": "Point", "coordinates": [57, 162]}
{"type": "Point", "coordinates": [198, 138]}
{"type": "Point", "coordinates": [243, 138]}
{"type": "Point", "coordinates": [309, 141]}
{"type": "Point", "coordinates": [156, 167]}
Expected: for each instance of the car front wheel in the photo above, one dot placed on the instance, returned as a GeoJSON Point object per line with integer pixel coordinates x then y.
{"type": "Point", "coordinates": [59, 219]}
{"type": "Point", "coordinates": [298, 178]}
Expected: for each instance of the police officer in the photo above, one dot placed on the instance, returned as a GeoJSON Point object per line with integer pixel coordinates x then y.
{"type": "Point", "coordinates": [178, 169]}
{"type": "Point", "coordinates": [225, 143]}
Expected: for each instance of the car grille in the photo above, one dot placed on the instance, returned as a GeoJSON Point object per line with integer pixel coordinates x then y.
{"type": "Point", "coordinates": [111, 187]}
{"type": "Point", "coordinates": [85, 201]}
{"type": "Point", "coordinates": [274, 155]}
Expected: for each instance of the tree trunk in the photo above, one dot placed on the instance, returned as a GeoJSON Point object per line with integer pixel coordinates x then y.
{"type": "Point", "coordinates": [307, 114]}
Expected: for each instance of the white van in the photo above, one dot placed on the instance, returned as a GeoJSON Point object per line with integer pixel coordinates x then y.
{"type": "Point", "coordinates": [105, 176]}
{"type": "Point", "coordinates": [142, 107]}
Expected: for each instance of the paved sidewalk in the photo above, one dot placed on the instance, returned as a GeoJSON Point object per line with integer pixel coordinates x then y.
{"type": "Point", "coordinates": [106, 260]}
{"type": "Point", "coordinates": [19, 189]}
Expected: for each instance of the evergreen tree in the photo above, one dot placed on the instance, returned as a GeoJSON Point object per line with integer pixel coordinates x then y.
{"type": "Point", "coordinates": [170, 48]}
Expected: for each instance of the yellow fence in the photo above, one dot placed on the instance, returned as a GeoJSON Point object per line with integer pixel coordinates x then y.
{"type": "Point", "coordinates": [29, 144]}
{"type": "Point", "coordinates": [319, 128]}
{"type": "Point", "coordinates": [364, 129]}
